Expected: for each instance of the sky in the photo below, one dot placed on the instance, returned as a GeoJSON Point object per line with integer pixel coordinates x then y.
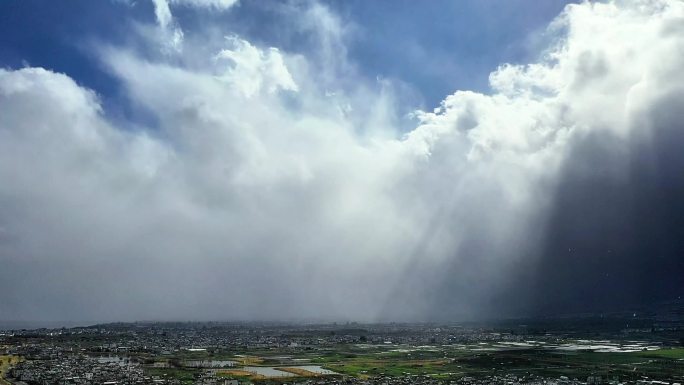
{"type": "Point", "coordinates": [339, 161]}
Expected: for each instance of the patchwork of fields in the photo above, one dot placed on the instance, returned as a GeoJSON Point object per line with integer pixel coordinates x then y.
{"type": "Point", "coordinates": [449, 362]}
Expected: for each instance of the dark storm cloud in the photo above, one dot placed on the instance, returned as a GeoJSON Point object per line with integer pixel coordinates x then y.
{"type": "Point", "coordinates": [615, 236]}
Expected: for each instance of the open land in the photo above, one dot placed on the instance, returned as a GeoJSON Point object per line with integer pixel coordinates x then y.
{"type": "Point", "coordinates": [589, 350]}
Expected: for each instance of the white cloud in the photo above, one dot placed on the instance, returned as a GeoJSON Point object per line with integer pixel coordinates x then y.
{"type": "Point", "coordinates": [172, 34]}
{"type": "Point", "coordinates": [216, 4]}
{"type": "Point", "coordinates": [258, 188]}
{"type": "Point", "coordinates": [251, 69]}
{"type": "Point", "coordinates": [162, 12]}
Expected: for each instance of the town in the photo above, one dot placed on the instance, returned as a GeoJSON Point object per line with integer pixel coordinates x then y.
{"type": "Point", "coordinates": [618, 349]}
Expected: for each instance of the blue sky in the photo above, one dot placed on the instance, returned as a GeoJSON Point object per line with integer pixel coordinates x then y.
{"type": "Point", "coordinates": [435, 47]}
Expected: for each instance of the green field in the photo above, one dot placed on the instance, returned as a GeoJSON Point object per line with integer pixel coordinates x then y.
{"type": "Point", "coordinates": [186, 376]}
{"type": "Point", "coordinates": [664, 363]}
{"type": "Point", "coordinates": [453, 362]}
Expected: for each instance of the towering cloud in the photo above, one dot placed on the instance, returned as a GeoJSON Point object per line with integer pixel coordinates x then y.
{"type": "Point", "coordinates": [275, 185]}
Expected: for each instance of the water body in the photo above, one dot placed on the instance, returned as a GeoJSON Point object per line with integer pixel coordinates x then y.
{"type": "Point", "coordinates": [268, 371]}
{"type": "Point", "coordinates": [607, 346]}
{"type": "Point", "coordinates": [599, 346]}
{"type": "Point", "coordinates": [274, 371]}
{"type": "Point", "coordinates": [315, 369]}
{"type": "Point", "coordinates": [209, 363]}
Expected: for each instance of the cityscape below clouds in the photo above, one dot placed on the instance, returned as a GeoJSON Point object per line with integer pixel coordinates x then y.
{"type": "Point", "coordinates": [319, 192]}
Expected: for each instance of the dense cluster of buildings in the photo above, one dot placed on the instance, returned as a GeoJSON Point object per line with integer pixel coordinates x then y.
{"type": "Point", "coordinates": [165, 338]}
{"type": "Point", "coordinates": [80, 370]}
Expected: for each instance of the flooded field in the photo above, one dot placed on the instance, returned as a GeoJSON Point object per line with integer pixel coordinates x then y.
{"type": "Point", "coordinates": [599, 346]}
{"type": "Point", "coordinates": [209, 363]}
{"type": "Point", "coordinates": [267, 371]}
{"type": "Point", "coordinates": [280, 371]}
{"type": "Point", "coordinates": [604, 346]}
{"type": "Point", "coordinates": [315, 369]}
